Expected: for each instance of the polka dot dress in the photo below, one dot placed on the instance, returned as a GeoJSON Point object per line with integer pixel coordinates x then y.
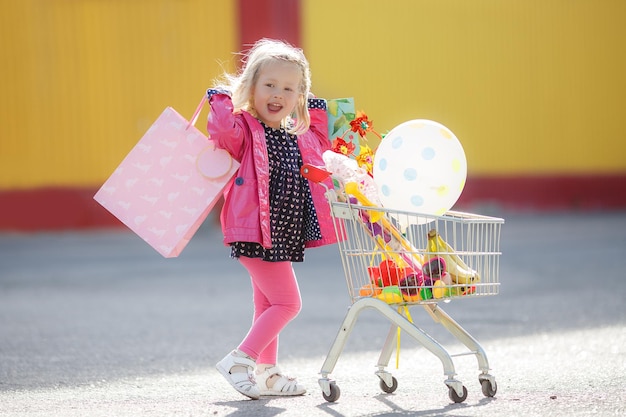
{"type": "Point", "coordinates": [293, 220]}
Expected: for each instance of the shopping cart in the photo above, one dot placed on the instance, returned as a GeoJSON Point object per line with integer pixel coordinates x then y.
{"type": "Point", "coordinates": [394, 260]}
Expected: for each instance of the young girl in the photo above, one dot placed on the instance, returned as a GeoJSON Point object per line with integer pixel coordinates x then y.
{"type": "Point", "coordinates": [264, 118]}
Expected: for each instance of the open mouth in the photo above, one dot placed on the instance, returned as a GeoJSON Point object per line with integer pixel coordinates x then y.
{"type": "Point", "coordinates": [274, 107]}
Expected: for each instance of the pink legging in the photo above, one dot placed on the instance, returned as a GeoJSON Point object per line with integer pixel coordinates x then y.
{"type": "Point", "coordinates": [277, 301]}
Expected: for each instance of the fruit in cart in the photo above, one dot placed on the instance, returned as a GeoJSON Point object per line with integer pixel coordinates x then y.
{"type": "Point", "coordinates": [460, 272]}
{"type": "Point", "coordinates": [434, 267]}
{"type": "Point", "coordinates": [468, 290]}
{"type": "Point", "coordinates": [446, 278]}
{"type": "Point", "coordinates": [374, 273]}
{"type": "Point", "coordinates": [426, 291]}
{"type": "Point", "coordinates": [426, 294]}
{"type": "Point", "coordinates": [410, 284]}
{"type": "Point", "coordinates": [391, 295]}
{"type": "Point", "coordinates": [459, 290]}
{"type": "Point", "coordinates": [411, 298]}
{"type": "Point", "coordinates": [369, 290]}
{"type": "Point", "coordinates": [440, 289]}
{"type": "Point", "coordinates": [391, 273]}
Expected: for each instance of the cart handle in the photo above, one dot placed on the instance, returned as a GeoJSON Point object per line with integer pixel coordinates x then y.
{"type": "Point", "coordinates": [313, 173]}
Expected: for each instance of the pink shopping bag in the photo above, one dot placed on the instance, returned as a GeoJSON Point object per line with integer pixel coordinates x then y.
{"type": "Point", "coordinates": [168, 183]}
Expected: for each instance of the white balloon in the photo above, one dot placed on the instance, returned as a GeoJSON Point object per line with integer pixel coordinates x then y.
{"type": "Point", "coordinates": [420, 167]}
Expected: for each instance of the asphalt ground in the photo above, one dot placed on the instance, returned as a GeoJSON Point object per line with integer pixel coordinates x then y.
{"type": "Point", "coordinates": [96, 323]}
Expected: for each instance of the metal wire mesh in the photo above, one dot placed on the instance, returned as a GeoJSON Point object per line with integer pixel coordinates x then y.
{"type": "Point", "coordinates": [410, 258]}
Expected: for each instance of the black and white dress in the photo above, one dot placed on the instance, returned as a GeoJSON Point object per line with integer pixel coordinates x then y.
{"type": "Point", "coordinates": [293, 220]}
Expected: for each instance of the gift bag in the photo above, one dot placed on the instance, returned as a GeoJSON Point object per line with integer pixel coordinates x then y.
{"type": "Point", "coordinates": [340, 113]}
{"type": "Point", "coordinates": [168, 183]}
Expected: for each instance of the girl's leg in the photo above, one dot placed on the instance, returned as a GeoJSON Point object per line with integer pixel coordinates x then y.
{"type": "Point", "coordinates": [276, 302]}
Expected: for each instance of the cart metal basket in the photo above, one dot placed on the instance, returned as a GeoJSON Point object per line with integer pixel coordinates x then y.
{"type": "Point", "coordinates": [393, 260]}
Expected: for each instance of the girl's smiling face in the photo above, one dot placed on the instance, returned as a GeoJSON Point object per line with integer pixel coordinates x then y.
{"type": "Point", "coordinates": [276, 91]}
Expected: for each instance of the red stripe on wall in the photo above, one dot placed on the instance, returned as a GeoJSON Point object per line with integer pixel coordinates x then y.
{"type": "Point", "coordinates": [566, 192]}
{"type": "Point", "coordinates": [276, 19]}
{"type": "Point", "coordinates": [52, 208]}
{"type": "Point", "coordinates": [74, 208]}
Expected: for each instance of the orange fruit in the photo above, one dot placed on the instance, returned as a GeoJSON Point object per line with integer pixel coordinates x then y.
{"type": "Point", "coordinates": [369, 290]}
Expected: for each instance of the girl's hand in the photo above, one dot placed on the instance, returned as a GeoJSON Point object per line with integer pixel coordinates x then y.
{"type": "Point", "coordinates": [212, 91]}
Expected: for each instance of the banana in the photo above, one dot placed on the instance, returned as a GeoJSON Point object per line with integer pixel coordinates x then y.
{"type": "Point", "coordinates": [455, 266]}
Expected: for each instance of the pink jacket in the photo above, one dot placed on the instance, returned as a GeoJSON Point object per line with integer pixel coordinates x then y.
{"type": "Point", "coordinates": [245, 215]}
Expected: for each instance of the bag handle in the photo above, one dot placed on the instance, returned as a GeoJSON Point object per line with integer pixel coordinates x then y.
{"type": "Point", "coordinates": [206, 164]}
{"type": "Point", "coordinates": [210, 167]}
{"type": "Point", "coordinates": [196, 114]}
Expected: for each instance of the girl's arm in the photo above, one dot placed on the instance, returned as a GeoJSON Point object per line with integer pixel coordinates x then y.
{"type": "Point", "coordinates": [319, 122]}
{"type": "Point", "coordinates": [222, 125]}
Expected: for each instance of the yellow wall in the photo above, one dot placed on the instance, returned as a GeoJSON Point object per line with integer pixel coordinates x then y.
{"type": "Point", "coordinates": [528, 86]}
{"type": "Point", "coordinates": [81, 80]}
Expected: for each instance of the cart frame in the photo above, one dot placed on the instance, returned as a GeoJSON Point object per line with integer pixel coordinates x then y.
{"type": "Point", "coordinates": [353, 227]}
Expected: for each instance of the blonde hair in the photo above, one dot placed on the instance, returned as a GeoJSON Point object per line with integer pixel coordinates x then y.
{"type": "Point", "coordinates": [262, 52]}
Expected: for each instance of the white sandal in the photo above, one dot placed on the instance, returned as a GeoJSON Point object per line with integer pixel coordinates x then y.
{"type": "Point", "coordinates": [283, 386]}
{"type": "Point", "coordinates": [243, 382]}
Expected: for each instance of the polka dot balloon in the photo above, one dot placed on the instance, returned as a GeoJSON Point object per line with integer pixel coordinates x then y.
{"type": "Point", "coordinates": [420, 167]}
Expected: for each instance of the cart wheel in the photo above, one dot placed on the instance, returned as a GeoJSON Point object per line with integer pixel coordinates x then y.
{"type": "Point", "coordinates": [389, 389]}
{"type": "Point", "coordinates": [455, 397]}
{"type": "Point", "coordinates": [335, 392]}
{"type": "Point", "coordinates": [488, 389]}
